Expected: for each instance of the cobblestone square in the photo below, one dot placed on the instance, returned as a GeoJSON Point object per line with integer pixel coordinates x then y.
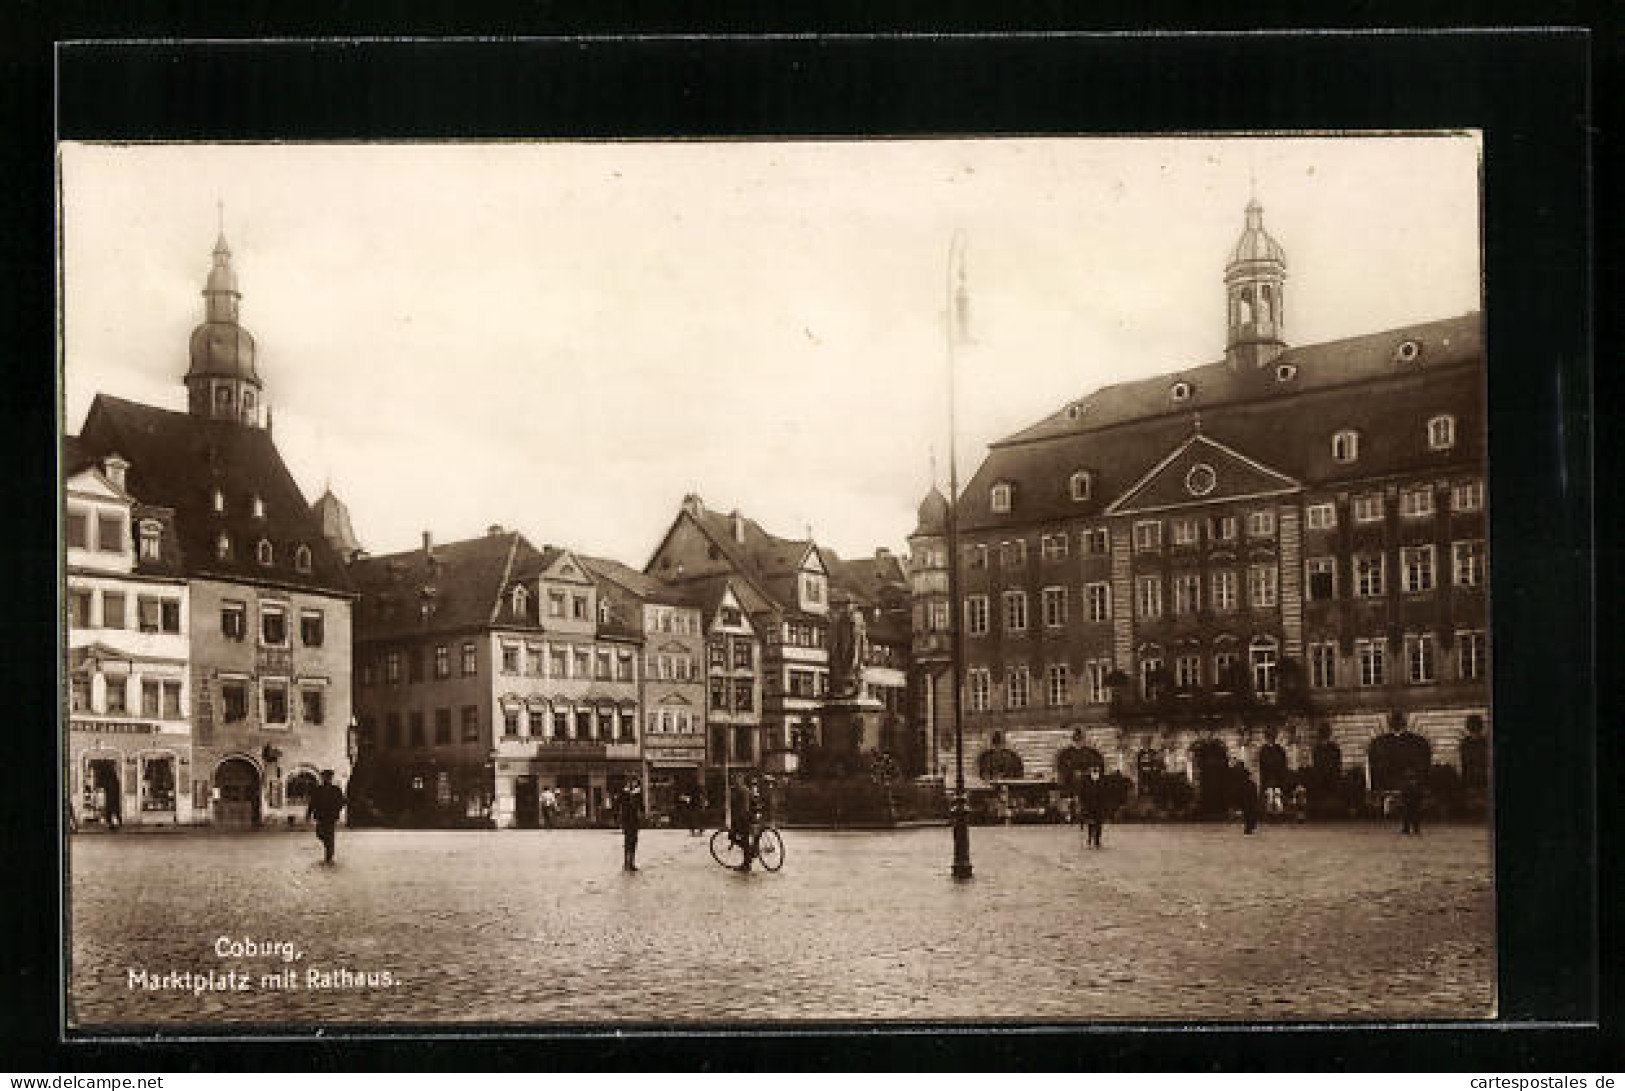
{"type": "Point", "coordinates": [1167, 922]}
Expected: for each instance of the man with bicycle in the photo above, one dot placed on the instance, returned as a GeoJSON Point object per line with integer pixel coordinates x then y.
{"type": "Point", "coordinates": [744, 809]}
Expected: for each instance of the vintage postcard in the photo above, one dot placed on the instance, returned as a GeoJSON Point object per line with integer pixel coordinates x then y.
{"type": "Point", "coordinates": [710, 582]}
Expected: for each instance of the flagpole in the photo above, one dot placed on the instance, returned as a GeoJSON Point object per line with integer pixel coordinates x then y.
{"type": "Point", "coordinates": [959, 809]}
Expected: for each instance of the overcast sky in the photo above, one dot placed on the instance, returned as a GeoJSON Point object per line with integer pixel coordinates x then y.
{"type": "Point", "coordinates": [566, 338]}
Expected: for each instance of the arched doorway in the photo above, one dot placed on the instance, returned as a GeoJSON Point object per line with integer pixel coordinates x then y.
{"type": "Point", "coordinates": [1210, 762]}
{"type": "Point", "coordinates": [1396, 757]}
{"type": "Point", "coordinates": [237, 793]}
{"type": "Point", "coordinates": [106, 792]}
{"type": "Point", "coordinates": [1073, 763]}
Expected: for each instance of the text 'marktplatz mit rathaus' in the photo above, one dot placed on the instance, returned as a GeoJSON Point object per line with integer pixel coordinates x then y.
{"type": "Point", "coordinates": [1276, 557]}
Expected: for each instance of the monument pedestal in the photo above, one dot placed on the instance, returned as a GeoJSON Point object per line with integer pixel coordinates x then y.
{"type": "Point", "coordinates": [852, 724]}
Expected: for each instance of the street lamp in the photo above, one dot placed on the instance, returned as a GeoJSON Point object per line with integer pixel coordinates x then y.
{"type": "Point", "coordinates": [959, 809]}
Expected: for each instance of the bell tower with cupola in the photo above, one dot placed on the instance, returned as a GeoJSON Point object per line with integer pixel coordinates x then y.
{"type": "Point", "coordinates": [1254, 279]}
{"type": "Point", "coordinates": [221, 382]}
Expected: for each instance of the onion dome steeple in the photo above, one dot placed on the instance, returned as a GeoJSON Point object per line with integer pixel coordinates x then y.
{"type": "Point", "coordinates": [221, 382]}
{"type": "Point", "coordinates": [1254, 278]}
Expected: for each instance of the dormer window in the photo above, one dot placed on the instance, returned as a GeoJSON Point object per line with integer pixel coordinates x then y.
{"type": "Point", "coordinates": [264, 554]}
{"type": "Point", "coordinates": [1076, 410]}
{"type": "Point", "coordinates": [1285, 373]}
{"type": "Point", "coordinates": [301, 559]}
{"type": "Point", "coordinates": [1408, 351]}
{"type": "Point", "coordinates": [150, 532]}
{"type": "Point", "coordinates": [1001, 496]}
{"type": "Point", "coordinates": [219, 501]}
{"type": "Point", "coordinates": [1346, 446]}
{"type": "Point", "coordinates": [1442, 433]}
{"type": "Point", "coordinates": [1180, 392]}
{"type": "Point", "coordinates": [259, 508]}
{"type": "Point", "coordinates": [520, 600]}
{"type": "Point", "coordinates": [1082, 485]}
{"type": "Point", "coordinates": [222, 547]}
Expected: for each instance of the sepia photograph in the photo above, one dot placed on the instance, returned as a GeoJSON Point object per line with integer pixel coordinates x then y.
{"type": "Point", "coordinates": [685, 583]}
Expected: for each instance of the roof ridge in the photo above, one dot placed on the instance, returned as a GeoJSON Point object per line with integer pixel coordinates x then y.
{"type": "Point", "coordinates": [507, 570]}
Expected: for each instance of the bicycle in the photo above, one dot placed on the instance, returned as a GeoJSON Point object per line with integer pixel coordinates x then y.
{"type": "Point", "coordinates": [769, 849]}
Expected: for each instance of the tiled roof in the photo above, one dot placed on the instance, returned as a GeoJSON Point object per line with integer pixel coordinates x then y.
{"type": "Point", "coordinates": [640, 586]}
{"type": "Point", "coordinates": [177, 461]}
{"type": "Point", "coordinates": [707, 593]}
{"type": "Point", "coordinates": [867, 578]}
{"type": "Point", "coordinates": [1286, 424]}
{"type": "Point", "coordinates": [466, 580]}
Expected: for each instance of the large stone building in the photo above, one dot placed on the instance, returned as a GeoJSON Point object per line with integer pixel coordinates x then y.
{"type": "Point", "coordinates": [1278, 556]}
{"type": "Point", "coordinates": [267, 599]}
{"type": "Point", "coordinates": [486, 673]}
{"type": "Point", "coordinates": [129, 755]}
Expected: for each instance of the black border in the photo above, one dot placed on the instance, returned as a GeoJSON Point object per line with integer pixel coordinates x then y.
{"type": "Point", "coordinates": [1529, 92]}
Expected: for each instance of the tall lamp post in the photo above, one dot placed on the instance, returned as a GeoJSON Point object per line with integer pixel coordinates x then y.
{"type": "Point", "coordinates": [959, 809]}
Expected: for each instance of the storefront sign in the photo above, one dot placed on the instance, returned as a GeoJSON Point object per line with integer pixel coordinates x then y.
{"type": "Point", "coordinates": [677, 753]}
{"type": "Point", "coordinates": [562, 751]}
{"type": "Point", "coordinates": [113, 727]}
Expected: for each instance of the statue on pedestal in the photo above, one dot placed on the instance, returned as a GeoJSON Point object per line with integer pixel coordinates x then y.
{"type": "Point", "coordinates": [849, 648]}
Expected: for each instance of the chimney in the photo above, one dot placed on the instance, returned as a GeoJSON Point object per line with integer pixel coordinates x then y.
{"type": "Point", "coordinates": [494, 530]}
{"type": "Point", "coordinates": [428, 542]}
{"type": "Point", "coordinates": [694, 505]}
{"type": "Point", "coordinates": [882, 553]}
{"type": "Point", "coordinates": [738, 522]}
{"type": "Point", "coordinates": [114, 467]}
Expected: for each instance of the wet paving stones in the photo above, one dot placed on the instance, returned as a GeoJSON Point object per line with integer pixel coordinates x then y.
{"type": "Point", "coordinates": [1167, 922]}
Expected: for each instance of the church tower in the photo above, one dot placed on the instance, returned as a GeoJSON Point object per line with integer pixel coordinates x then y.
{"type": "Point", "coordinates": [221, 382]}
{"type": "Point", "coordinates": [1254, 278]}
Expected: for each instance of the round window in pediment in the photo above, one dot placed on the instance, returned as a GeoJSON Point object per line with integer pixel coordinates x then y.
{"type": "Point", "coordinates": [1201, 479]}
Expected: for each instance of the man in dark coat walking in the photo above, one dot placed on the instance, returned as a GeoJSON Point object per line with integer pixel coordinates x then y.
{"type": "Point", "coordinates": [326, 803]}
{"type": "Point", "coordinates": [631, 814]}
{"type": "Point", "coordinates": [1092, 805]}
{"type": "Point", "coordinates": [1410, 805]}
{"type": "Point", "coordinates": [1246, 797]}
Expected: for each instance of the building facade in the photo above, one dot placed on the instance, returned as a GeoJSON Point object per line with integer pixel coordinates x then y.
{"type": "Point", "coordinates": [129, 753]}
{"type": "Point", "coordinates": [1278, 557]}
{"type": "Point", "coordinates": [267, 608]}
{"type": "Point", "coordinates": [783, 586]}
{"type": "Point", "coordinates": [669, 628]}
{"type": "Point", "coordinates": [487, 673]}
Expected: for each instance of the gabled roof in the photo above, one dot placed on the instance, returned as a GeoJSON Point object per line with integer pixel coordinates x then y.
{"type": "Point", "coordinates": [1171, 482]}
{"type": "Point", "coordinates": [866, 579]}
{"type": "Point", "coordinates": [709, 592]}
{"type": "Point", "coordinates": [1358, 384]}
{"type": "Point", "coordinates": [636, 584]}
{"type": "Point", "coordinates": [465, 581]}
{"type": "Point", "coordinates": [764, 562]}
{"type": "Point", "coordinates": [177, 461]}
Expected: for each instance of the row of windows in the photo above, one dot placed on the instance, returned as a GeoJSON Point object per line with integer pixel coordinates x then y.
{"type": "Point", "coordinates": [1419, 664]}
{"type": "Point", "coordinates": [273, 624]}
{"type": "Point", "coordinates": [153, 613]}
{"type": "Point", "coordinates": [110, 536]}
{"type": "Point", "coordinates": [469, 664]}
{"type": "Point", "coordinates": [274, 702]}
{"type": "Point", "coordinates": [673, 721]}
{"type": "Point", "coordinates": [538, 661]}
{"type": "Point", "coordinates": [602, 724]}
{"type": "Point", "coordinates": [559, 605]}
{"type": "Point", "coordinates": [736, 653]}
{"type": "Point", "coordinates": [1419, 667]}
{"type": "Point", "coordinates": [742, 692]}
{"type": "Point", "coordinates": [806, 683]}
{"type": "Point", "coordinates": [160, 699]}
{"type": "Point", "coordinates": [264, 552]}
{"type": "Point", "coordinates": [1414, 502]}
{"type": "Point", "coordinates": [803, 634]}
{"type": "Point", "coordinates": [1417, 576]}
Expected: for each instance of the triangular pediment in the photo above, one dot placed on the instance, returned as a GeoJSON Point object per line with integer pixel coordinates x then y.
{"type": "Point", "coordinates": [813, 561]}
{"type": "Point", "coordinates": [673, 647]}
{"type": "Point", "coordinates": [1202, 471]}
{"type": "Point", "coordinates": [566, 569]}
{"type": "Point", "coordinates": [92, 483]}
